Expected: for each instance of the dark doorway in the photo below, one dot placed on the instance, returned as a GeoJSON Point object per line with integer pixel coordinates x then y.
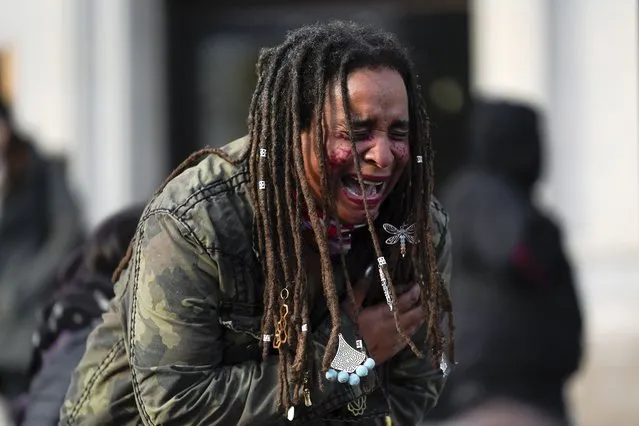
{"type": "Point", "coordinates": [441, 55]}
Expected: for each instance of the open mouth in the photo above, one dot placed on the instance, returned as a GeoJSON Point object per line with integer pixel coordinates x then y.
{"type": "Point", "coordinates": [372, 188]}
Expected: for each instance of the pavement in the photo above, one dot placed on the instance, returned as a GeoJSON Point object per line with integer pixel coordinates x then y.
{"type": "Point", "coordinates": [606, 390]}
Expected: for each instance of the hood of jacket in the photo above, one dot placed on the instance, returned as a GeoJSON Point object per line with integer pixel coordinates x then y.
{"type": "Point", "coordinates": [506, 140]}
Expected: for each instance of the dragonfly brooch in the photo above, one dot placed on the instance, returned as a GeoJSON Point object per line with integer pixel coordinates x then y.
{"type": "Point", "coordinates": [401, 235]}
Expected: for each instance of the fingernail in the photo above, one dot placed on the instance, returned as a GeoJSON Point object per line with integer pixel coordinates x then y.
{"type": "Point", "coordinates": [415, 294]}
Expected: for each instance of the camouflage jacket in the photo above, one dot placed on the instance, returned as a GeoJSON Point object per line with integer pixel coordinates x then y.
{"type": "Point", "coordinates": [179, 343]}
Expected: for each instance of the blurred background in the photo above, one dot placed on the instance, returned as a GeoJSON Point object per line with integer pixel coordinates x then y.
{"type": "Point", "coordinates": [124, 90]}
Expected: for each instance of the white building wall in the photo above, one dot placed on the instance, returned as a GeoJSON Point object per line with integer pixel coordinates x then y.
{"type": "Point", "coordinates": [578, 61]}
{"type": "Point", "coordinates": [595, 121]}
{"type": "Point", "coordinates": [509, 53]}
{"type": "Point", "coordinates": [37, 33]}
{"type": "Point", "coordinates": [89, 84]}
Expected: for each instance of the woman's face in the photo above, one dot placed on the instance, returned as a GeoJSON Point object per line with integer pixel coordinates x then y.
{"type": "Point", "coordinates": [379, 113]}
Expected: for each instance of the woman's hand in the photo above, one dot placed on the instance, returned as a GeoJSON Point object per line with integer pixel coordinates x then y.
{"type": "Point", "coordinates": [377, 323]}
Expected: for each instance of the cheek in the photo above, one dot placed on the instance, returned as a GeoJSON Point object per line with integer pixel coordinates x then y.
{"type": "Point", "coordinates": [339, 157]}
{"type": "Point", "coordinates": [401, 151]}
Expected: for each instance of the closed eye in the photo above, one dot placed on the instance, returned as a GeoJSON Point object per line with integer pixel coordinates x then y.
{"type": "Point", "coordinates": [361, 135]}
{"type": "Point", "coordinates": [358, 135]}
{"type": "Point", "coordinates": [399, 130]}
{"type": "Point", "coordinates": [399, 136]}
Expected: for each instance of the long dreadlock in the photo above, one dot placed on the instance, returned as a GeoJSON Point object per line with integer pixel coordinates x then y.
{"type": "Point", "coordinates": [292, 82]}
{"type": "Point", "coordinates": [289, 98]}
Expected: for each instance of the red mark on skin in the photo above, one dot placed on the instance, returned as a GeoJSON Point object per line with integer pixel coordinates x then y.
{"type": "Point", "coordinates": [401, 152]}
{"type": "Point", "coordinates": [340, 156]}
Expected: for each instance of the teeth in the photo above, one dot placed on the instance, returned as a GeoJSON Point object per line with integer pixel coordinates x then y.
{"type": "Point", "coordinates": [371, 189]}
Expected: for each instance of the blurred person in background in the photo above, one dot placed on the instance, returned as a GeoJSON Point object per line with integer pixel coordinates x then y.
{"type": "Point", "coordinates": [258, 289]}
{"type": "Point", "coordinates": [39, 225]}
{"type": "Point", "coordinates": [83, 296]}
{"type": "Point", "coordinates": [517, 316]}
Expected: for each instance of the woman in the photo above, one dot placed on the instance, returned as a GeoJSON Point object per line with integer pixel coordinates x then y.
{"type": "Point", "coordinates": [39, 225]}
{"type": "Point", "coordinates": [519, 327]}
{"type": "Point", "coordinates": [69, 317]}
{"type": "Point", "coordinates": [235, 306]}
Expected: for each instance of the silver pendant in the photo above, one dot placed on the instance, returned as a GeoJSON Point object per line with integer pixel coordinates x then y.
{"type": "Point", "coordinates": [382, 278]}
{"type": "Point", "coordinates": [347, 357]}
{"type": "Point", "coordinates": [401, 235]}
{"type": "Point", "coordinates": [387, 295]}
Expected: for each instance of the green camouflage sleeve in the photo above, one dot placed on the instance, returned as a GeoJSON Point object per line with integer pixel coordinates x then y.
{"type": "Point", "coordinates": [173, 340]}
{"type": "Point", "coordinates": [413, 385]}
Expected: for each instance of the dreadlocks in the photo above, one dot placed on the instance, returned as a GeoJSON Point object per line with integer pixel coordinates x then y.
{"type": "Point", "coordinates": [292, 82]}
{"type": "Point", "coordinates": [289, 98]}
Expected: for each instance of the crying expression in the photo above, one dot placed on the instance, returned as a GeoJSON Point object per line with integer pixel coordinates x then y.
{"type": "Point", "coordinates": [380, 128]}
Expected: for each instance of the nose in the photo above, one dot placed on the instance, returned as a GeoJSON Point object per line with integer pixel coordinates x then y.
{"type": "Point", "coordinates": [380, 153]}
